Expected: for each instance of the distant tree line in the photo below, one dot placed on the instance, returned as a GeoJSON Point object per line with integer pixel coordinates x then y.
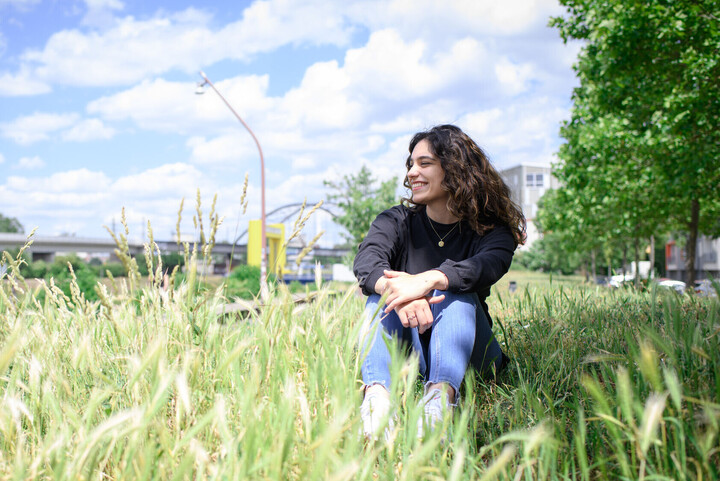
{"type": "Point", "coordinates": [641, 155]}
{"type": "Point", "coordinates": [10, 224]}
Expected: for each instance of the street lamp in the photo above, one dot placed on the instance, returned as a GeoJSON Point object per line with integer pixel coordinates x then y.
{"type": "Point", "coordinates": [263, 237]}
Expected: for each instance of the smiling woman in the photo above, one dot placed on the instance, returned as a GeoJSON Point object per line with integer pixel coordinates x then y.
{"type": "Point", "coordinates": [433, 260]}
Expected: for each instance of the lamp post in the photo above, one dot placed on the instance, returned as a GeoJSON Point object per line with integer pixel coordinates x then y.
{"type": "Point", "coordinates": [263, 226]}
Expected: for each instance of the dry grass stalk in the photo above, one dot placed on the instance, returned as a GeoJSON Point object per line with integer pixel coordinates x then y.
{"type": "Point", "coordinates": [215, 222]}
{"type": "Point", "coordinates": [243, 197]}
{"type": "Point", "coordinates": [123, 252]}
{"type": "Point", "coordinates": [301, 220]}
{"type": "Point", "coordinates": [179, 219]}
{"type": "Point", "coordinates": [198, 218]}
{"type": "Point", "coordinates": [306, 250]}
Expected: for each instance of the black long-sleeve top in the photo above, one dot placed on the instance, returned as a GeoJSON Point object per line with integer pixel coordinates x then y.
{"type": "Point", "coordinates": [402, 239]}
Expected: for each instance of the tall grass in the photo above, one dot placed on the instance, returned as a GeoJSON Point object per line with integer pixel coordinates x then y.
{"type": "Point", "coordinates": [146, 385]}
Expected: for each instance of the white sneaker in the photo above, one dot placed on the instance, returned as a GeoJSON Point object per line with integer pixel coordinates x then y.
{"type": "Point", "coordinates": [435, 406]}
{"type": "Point", "coordinates": [375, 414]}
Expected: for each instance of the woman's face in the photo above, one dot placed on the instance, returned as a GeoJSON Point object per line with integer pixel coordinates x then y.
{"type": "Point", "coordinates": [426, 176]}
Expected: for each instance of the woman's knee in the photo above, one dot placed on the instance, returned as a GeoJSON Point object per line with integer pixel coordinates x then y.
{"type": "Point", "coordinates": [457, 297]}
{"type": "Point", "coordinates": [457, 306]}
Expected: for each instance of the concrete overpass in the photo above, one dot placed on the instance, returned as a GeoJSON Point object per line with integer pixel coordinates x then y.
{"type": "Point", "coordinates": [47, 247]}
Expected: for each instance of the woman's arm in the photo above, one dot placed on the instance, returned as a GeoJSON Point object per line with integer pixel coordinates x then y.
{"type": "Point", "coordinates": [490, 260]}
{"type": "Point", "coordinates": [402, 288]}
{"type": "Point", "coordinates": [377, 251]}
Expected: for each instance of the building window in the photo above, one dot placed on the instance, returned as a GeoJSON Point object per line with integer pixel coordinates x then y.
{"type": "Point", "coordinates": [534, 180]}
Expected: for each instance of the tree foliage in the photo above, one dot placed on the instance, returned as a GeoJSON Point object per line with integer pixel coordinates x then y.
{"type": "Point", "coordinates": [361, 200]}
{"type": "Point", "coordinates": [547, 255]}
{"type": "Point", "coordinates": [642, 150]}
{"type": "Point", "coordinates": [10, 224]}
{"type": "Point", "coordinates": [59, 271]}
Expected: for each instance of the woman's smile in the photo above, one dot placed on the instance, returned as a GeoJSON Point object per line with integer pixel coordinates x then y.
{"type": "Point", "coordinates": [417, 185]}
{"type": "Point", "coordinates": [426, 176]}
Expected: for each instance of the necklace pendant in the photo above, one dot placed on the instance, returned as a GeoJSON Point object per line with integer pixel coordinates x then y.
{"type": "Point", "coordinates": [441, 243]}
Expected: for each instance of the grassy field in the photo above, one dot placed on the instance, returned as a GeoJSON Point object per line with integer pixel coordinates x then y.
{"type": "Point", "coordinates": [152, 385]}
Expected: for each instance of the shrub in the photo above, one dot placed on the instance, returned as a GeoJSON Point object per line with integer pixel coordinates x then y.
{"type": "Point", "coordinates": [244, 282]}
{"type": "Point", "coordinates": [115, 268]}
{"type": "Point", "coordinates": [86, 277]}
{"type": "Point", "coordinates": [34, 270]}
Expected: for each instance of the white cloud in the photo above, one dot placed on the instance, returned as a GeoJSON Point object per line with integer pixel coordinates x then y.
{"type": "Point", "coordinates": [455, 18]}
{"type": "Point", "coordinates": [377, 83]}
{"type": "Point", "coordinates": [513, 79]}
{"type": "Point", "coordinates": [131, 50]}
{"type": "Point", "coordinates": [166, 106]}
{"type": "Point", "coordinates": [79, 181]}
{"type": "Point", "coordinates": [321, 100]}
{"type": "Point", "coordinates": [170, 179]}
{"type": "Point", "coordinates": [128, 50]}
{"type": "Point", "coordinates": [124, 54]}
{"type": "Point", "coordinates": [304, 162]}
{"type": "Point", "coordinates": [389, 66]}
{"type": "Point", "coordinates": [89, 129]}
{"type": "Point", "coordinates": [21, 84]}
{"type": "Point", "coordinates": [520, 133]}
{"type": "Point", "coordinates": [36, 127]}
{"type": "Point", "coordinates": [31, 163]}
{"type": "Point", "coordinates": [231, 148]}
{"type": "Point", "coordinates": [86, 198]}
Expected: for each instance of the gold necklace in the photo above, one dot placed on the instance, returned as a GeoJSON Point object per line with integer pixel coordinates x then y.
{"type": "Point", "coordinates": [442, 239]}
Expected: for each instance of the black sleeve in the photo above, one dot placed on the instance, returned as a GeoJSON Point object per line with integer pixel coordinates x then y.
{"type": "Point", "coordinates": [379, 248]}
{"type": "Point", "coordinates": [491, 258]}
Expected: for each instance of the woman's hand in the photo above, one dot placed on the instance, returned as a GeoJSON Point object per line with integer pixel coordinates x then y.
{"type": "Point", "coordinates": [417, 313]}
{"type": "Point", "coordinates": [402, 287]}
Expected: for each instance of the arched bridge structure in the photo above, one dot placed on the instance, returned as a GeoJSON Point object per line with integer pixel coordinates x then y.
{"type": "Point", "coordinates": [47, 247]}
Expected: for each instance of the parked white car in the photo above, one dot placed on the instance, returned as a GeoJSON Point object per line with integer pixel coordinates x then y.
{"type": "Point", "coordinates": [705, 288]}
{"type": "Point", "coordinates": [678, 286]}
{"type": "Point", "coordinates": [619, 280]}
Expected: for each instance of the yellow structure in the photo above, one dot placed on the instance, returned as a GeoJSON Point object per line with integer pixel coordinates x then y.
{"type": "Point", "coordinates": [275, 234]}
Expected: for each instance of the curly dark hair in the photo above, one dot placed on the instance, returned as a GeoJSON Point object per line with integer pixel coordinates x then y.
{"type": "Point", "coordinates": [478, 194]}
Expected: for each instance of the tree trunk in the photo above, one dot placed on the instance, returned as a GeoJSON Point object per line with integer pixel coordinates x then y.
{"type": "Point", "coordinates": [652, 257]}
{"type": "Point", "coordinates": [636, 282]}
{"type": "Point", "coordinates": [624, 260]}
{"type": "Point", "coordinates": [691, 248]}
{"type": "Point", "coordinates": [593, 264]}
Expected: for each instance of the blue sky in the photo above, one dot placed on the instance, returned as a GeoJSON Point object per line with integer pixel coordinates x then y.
{"type": "Point", "coordinates": [99, 111]}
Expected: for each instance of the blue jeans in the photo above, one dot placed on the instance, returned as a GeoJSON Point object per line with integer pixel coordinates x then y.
{"type": "Point", "coordinates": [460, 335]}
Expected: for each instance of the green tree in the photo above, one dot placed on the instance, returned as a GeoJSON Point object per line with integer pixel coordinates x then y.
{"type": "Point", "coordinates": [548, 255]}
{"type": "Point", "coordinates": [646, 114]}
{"type": "Point", "coordinates": [361, 199]}
{"type": "Point", "coordinates": [60, 272]}
{"type": "Point", "coordinates": [10, 224]}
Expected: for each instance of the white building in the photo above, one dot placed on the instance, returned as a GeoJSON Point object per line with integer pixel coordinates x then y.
{"type": "Point", "coordinates": [528, 182]}
{"type": "Point", "coordinates": [707, 264]}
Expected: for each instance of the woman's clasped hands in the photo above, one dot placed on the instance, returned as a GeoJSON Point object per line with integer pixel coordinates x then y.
{"type": "Point", "coordinates": [410, 296]}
